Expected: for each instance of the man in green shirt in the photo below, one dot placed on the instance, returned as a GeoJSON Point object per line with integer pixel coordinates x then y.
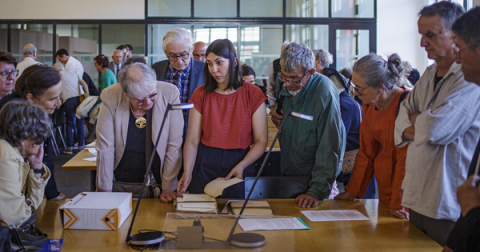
{"type": "Point", "coordinates": [315, 147]}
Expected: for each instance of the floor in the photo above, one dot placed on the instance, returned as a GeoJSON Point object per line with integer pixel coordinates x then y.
{"type": "Point", "coordinates": [70, 183]}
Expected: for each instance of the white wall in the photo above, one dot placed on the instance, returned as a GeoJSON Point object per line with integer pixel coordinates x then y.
{"type": "Point", "coordinates": [397, 31]}
{"type": "Point", "coordinates": [72, 9]}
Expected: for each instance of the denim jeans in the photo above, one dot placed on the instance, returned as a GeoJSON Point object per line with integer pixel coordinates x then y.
{"type": "Point", "coordinates": [70, 107]}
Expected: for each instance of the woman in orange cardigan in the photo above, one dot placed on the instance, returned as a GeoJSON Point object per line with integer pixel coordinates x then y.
{"type": "Point", "coordinates": [378, 83]}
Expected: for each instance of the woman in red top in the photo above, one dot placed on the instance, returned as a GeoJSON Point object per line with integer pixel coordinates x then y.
{"type": "Point", "coordinates": [227, 129]}
{"type": "Point", "coordinates": [378, 84]}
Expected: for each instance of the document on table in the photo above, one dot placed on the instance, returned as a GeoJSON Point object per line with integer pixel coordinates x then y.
{"type": "Point", "coordinates": [334, 215]}
{"type": "Point", "coordinates": [90, 145]}
{"type": "Point", "coordinates": [93, 159]}
{"type": "Point", "coordinates": [273, 224]}
{"type": "Point", "coordinates": [92, 150]}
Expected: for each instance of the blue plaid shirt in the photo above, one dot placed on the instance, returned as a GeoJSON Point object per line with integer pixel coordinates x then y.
{"type": "Point", "coordinates": [179, 79]}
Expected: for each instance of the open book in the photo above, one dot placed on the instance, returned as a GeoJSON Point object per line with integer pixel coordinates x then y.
{"type": "Point", "coordinates": [204, 203]}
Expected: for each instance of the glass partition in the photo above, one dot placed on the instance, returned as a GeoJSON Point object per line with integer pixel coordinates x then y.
{"type": "Point", "coordinates": [81, 42]}
{"type": "Point", "coordinates": [215, 8]}
{"type": "Point", "coordinates": [40, 35]}
{"type": "Point", "coordinates": [169, 8]}
{"type": "Point", "coordinates": [264, 8]}
{"type": "Point", "coordinates": [307, 8]}
{"type": "Point", "coordinates": [353, 8]}
{"type": "Point", "coordinates": [351, 45]}
{"type": "Point", "coordinates": [259, 46]}
{"type": "Point", "coordinates": [3, 37]}
{"type": "Point", "coordinates": [314, 36]}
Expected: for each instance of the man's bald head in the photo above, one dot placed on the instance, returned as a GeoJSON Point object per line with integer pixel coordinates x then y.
{"type": "Point", "coordinates": [199, 50]}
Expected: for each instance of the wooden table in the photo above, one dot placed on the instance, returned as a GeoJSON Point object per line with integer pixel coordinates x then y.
{"type": "Point", "coordinates": [78, 164]}
{"type": "Point", "coordinates": [382, 232]}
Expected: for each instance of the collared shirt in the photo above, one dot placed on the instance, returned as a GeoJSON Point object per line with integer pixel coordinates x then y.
{"type": "Point", "coordinates": [313, 147]}
{"type": "Point", "coordinates": [73, 65]}
{"type": "Point", "coordinates": [446, 133]}
{"type": "Point", "coordinates": [180, 79]}
{"type": "Point", "coordinates": [71, 86]}
{"type": "Point", "coordinates": [28, 61]}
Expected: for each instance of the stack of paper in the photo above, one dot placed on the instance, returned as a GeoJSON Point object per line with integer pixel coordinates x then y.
{"type": "Point", "coordinates": [259, 208]}
{"type": "Point", "coordinates": [196, 203]}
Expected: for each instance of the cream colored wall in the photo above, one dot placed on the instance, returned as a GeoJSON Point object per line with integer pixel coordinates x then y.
{"type": "Point", "coordinates": [397, 31]}
{"type": "Point", "coordinates": [72, 9]}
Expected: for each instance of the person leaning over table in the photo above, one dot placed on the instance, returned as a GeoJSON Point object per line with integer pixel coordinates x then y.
{"type": "Point", "coordinates": [41, 85]}
{"type": "Point", "coordinates": [23, 176]}
{"type": "Point", "coordinates": [227, 131]}
{"type": "Point", "coordinates": [309, 148]}
{"type": "Point", "coordinates": [377, 85]}
{"type": "Point", "coordinates": [127, 108]}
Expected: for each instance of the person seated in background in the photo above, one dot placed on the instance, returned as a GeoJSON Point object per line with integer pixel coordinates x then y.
{"type": "Point", "coordinates": [29, 54]}
{"type": "Point", "coordinates": [248, 73]}
{"type": "Point", "coordinates": [23, 129]}
{"type": "Point", "coordinates": [228, 126]}
{"type": "Point", "coordinates": [71, 99]}
{"type": "Point", "coordinates": [376, 84]}
{"type": "Point", "coordinates": [199, 49]}
{"type": "Point", "coordinates": [128, 124]}
{"type": "Point", "coordinates": [309, 148]}
{"type": "Point", "coordinates": [8, 74]}
{"type": "Point", "coordinates": [42, 85]}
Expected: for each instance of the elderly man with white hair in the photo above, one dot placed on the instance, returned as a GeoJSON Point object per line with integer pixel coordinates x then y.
{"type": "Point", "coordinates": [30, 54]}
{"type": "Point", "coordinates": [180, 68]}
{"type": "Point", "coordinates": [309, 148]}
{"type": "Point", "coordinates": [128, 124]}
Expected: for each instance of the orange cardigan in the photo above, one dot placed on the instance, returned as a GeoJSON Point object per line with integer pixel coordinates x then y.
{"type": "Point", "coordinates": [378, 155]}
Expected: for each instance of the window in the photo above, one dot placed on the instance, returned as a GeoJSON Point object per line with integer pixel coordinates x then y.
{"type": "Point", "coordinates": [307, 8]}
{"type": "Point", "coordinates": [264, 8]}
{"type": "Point", "coordinates": [169, 8]}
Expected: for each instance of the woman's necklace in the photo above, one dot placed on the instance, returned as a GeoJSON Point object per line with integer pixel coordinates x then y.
{"type": "Point", "coordinates": [141, 122]}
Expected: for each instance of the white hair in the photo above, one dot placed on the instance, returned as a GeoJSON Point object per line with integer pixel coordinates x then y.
{"type": "Point", "coordinates": [178, 35]}
{"type": "Point", "coordinates": [324, 56]}
{"type": "Point", "coordinates": [296, 55]}
{"type": "Point", "coordinates": [137, 80]}
{"type": "Point", "coordinates": [29, 50]}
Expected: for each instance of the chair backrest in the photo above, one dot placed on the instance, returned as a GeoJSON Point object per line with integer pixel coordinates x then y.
{"type": "Point", "coordinates": [277, 187]}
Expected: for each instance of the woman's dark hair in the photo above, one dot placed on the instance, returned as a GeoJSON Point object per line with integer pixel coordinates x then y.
{"type": "Point", "coordinates": [247, 70]}
{"type": "Point", "coordinates": [8, 58]}
{"type": "Point", "coordinates": [21, 120]}
{"type": "Point", "coordinates": [36, 79]}
{"type": "Point", "coordinates": [376, 71]}
{"type": "Point", "coordinates": [224, 48]}
{"type": "Point", "coordinates": [101, 60]}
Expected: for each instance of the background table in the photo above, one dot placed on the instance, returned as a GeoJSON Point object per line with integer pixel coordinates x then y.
{"type": "Point", "coordinates": [382, 232]}
{"type": "Point", "coordinates": [78, 164]}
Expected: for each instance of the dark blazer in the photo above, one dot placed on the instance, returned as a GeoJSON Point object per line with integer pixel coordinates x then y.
{"type": "Point", "coordinates": [111, 66]}
{"type": "Point", "coordinates": [196, 73]}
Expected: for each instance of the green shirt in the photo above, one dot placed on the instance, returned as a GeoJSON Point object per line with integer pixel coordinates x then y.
{"type": "Point", "coordinates": [313, 147]}
{"type": "Point", "coordinates": [108, 79]}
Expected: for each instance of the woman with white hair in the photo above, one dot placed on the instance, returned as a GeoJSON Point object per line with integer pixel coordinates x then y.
{"type": "Point", "coordinates": [128, 124]}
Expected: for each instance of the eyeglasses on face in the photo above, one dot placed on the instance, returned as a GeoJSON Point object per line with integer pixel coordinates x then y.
{"type": "Point", "coordinates": [358, 89]}
{"type": "Point", "coordinates": [184, 56]}
{"type": "Point", "coordinates": [457, 50]}
{"type": "Point", "coordinates": [150, 97]}
{"type": "Point", "coordinates": [6, 73]}
{"type": "Point", "coordinates": [292, 82]}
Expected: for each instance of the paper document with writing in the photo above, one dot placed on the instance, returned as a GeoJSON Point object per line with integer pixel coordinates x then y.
{"type": "Point", "coordinates": [204, 203]}
{"type": "Point", "coordinates": [295, 223]}
{"type": "Point", "coordinates": [334, 215]}
{"type": "Point", "coordinates": [253, 207]}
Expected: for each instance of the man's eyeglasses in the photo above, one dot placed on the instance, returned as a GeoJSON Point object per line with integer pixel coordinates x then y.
{"type": "Point", "coordinates": [139, 102]}
{"type": "Point", "coordinates": [359, 90]}
{"type": "Point", "coordinates": [184, 56]}
{"type": "Point", "coordinates": [292, 82]}
{"type": "Point", "coordinates": [6, 73]}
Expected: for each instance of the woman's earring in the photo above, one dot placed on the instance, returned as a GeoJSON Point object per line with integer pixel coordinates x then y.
{"type": "Point", "coordinates": [24, 152]}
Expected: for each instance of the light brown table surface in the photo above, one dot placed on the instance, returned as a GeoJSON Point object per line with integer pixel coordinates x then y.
{"type": "Point", "coordinates": [77, 162]}
{"type": "Point", "coordinates": [382, 232]}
